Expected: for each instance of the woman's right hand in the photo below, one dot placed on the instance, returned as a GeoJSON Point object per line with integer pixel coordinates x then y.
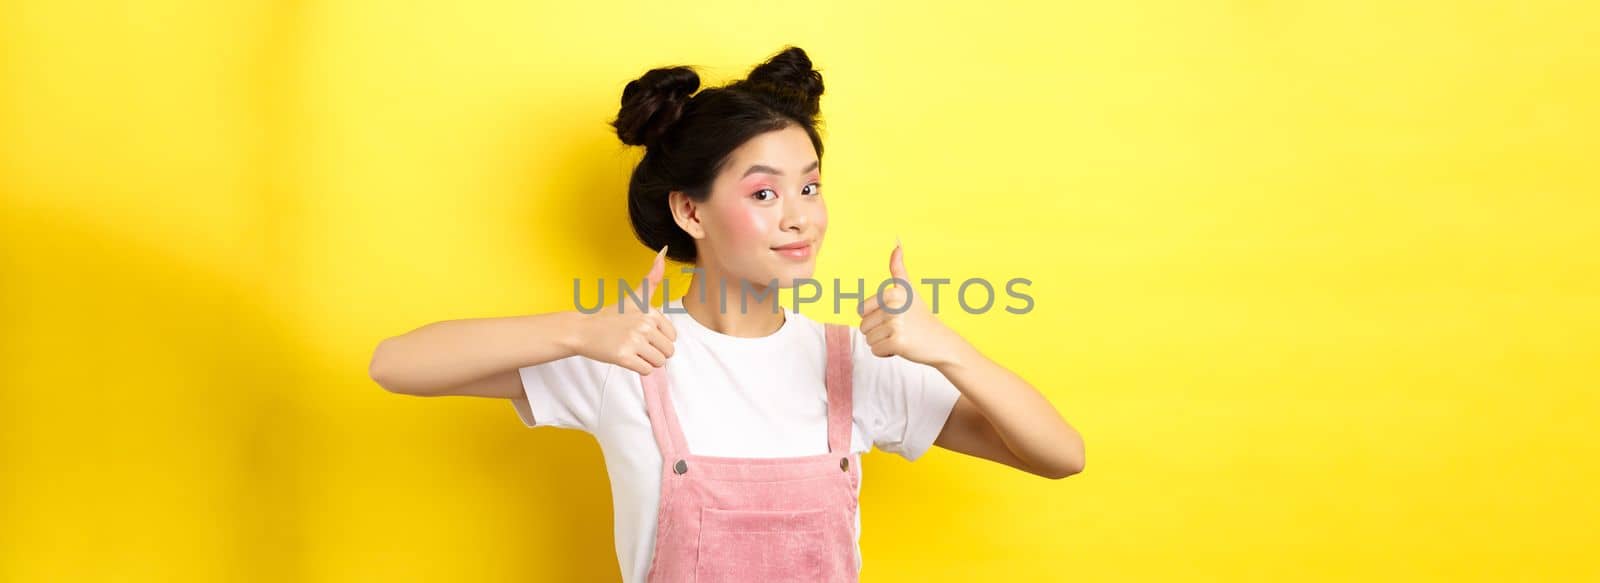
{"type": "Point", "coordinates": [625, 335]}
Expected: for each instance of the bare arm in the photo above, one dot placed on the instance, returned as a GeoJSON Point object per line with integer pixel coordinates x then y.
{"type": "Point", "coordinates": [1001, 417]}
{"type": "Point", "coordinates": [480, 357]}
{"type": "Point", "coordinates": [474, 357]}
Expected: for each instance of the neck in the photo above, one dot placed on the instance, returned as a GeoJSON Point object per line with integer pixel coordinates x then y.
{"type": "Point", "coordinates": [760, 316]}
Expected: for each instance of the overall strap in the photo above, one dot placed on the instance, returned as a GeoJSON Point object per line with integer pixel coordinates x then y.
{"type": "Point", "coordinates": [663, 419]}
{"type": "Point", "coordinates": [840, 393]}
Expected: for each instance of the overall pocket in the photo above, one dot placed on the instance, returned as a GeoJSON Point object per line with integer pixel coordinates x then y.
{"type": "Point", "coordinates": [762, 545]}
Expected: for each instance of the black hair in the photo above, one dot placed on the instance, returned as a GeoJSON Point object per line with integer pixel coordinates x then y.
{"type": "Point", "coordinates": [688, 136]}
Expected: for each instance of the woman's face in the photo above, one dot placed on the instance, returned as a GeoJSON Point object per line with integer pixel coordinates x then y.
{"type": "Point", "coordinates": [765, 218]}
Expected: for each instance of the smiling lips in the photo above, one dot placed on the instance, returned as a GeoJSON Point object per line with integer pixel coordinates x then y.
{"type": "Point", "coordinates": [796, 250]}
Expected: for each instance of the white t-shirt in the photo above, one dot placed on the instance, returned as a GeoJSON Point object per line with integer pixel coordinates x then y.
{"type": "Point", "coordinates": [737, 397]}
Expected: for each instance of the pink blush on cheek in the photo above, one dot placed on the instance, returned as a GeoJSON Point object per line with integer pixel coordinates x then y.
{"type": "Point", "coordinates": [748, 226]}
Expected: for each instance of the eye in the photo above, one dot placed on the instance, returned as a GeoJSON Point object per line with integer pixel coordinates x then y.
{"type": "Point", "coordinates": [758, 194]}
{"type": "Point", "coordinates": [815, 188]}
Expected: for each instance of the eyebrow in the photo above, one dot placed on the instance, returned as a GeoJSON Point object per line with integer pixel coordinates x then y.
{"type": "Point", "coordinates": [771, 170]}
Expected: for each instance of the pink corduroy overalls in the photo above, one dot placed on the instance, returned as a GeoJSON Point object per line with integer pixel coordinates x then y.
{"type": "Point", "coordinates": [758, 519]}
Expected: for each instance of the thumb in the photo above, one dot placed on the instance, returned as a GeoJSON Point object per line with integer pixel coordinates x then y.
{"type": "Point", "coordinates": [897, 264]}
{"type": "Point", "coordinates": [652, 280]}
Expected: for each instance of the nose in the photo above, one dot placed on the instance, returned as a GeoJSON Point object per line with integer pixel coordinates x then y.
{"type": "Point", "coordinates": [795, 214]}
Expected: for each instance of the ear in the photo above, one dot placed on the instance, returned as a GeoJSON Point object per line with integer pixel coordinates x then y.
{"type": "Point", "coordinates": [686, 212]}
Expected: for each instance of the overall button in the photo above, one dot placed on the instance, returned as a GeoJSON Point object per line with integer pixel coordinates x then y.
{"type": "Point", "coordinates": [681, 467]}
{"type": "Point", "coordinates": [844, 464]}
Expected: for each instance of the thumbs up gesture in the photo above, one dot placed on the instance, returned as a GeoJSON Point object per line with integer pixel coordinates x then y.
{"type": "Point", "coordinates": [628, 336]}
{"type": "Point", "coordinates": [894, 328]}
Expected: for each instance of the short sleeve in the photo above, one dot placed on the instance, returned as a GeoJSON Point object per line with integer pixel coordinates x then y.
{"type": "Point", "coordinates": [567, 392]}
{"type": "Point", "coordinates": [904, 403]}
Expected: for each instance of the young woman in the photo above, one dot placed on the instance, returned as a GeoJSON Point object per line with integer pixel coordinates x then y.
{"type": "Point", "coordinates": [733, 435]}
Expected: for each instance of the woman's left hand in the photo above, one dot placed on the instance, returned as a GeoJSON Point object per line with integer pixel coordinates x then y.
{"type": "Point", "coordinates": [894, 329]}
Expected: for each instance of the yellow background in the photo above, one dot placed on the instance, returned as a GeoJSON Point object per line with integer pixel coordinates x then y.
{"type": "Point", "coordinates": [1317, 281]}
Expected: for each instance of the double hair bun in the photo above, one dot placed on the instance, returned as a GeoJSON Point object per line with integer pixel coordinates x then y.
{"type": "Point", "coordinates": [655, 101]}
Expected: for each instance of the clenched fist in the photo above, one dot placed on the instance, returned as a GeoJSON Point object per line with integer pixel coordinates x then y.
{"type": "Point", "coordinates": [892, 328]}
{"type": "Point", "coordinates": [639, 340]}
